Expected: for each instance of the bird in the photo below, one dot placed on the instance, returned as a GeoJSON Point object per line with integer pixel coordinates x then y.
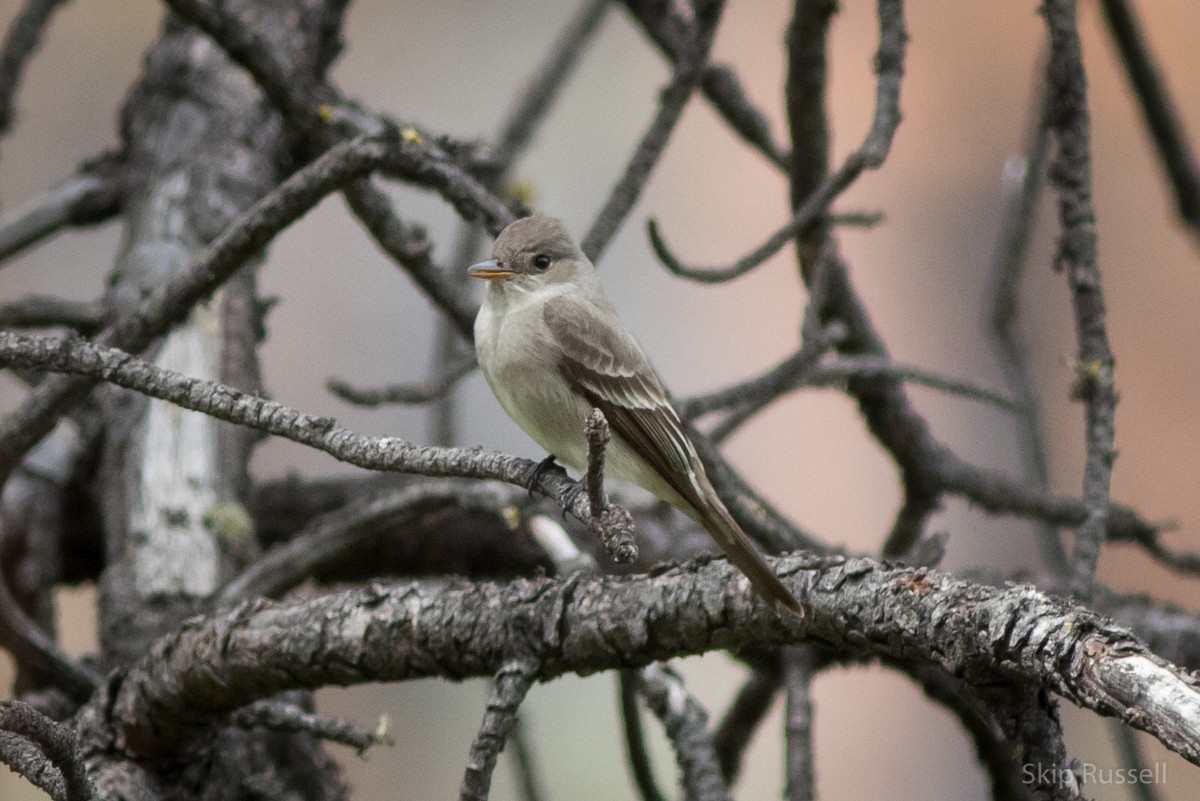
{"type": "Point", "coordinates": [552, 347]}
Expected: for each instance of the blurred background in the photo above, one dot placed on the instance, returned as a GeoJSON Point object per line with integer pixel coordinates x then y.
{"type": "Point", "coordinates": [346, 311]}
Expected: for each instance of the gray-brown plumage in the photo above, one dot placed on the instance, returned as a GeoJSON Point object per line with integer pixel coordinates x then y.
{"type": "Point", "coordinates": [552, 347]}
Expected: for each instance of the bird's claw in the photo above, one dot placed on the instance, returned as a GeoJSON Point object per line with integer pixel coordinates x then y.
{"type": "Point", "coordinates": [572, 494]}
{"type": "Point", "coordinates": [538, 470]}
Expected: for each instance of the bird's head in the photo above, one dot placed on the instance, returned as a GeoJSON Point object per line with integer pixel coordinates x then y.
{"type": "Point", "coordinates": [533, 252]}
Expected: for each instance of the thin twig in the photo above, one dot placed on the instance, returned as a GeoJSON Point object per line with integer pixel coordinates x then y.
{"type": "Point", "coordinates": [613, 525]}
{"type": "Point", "coordinates": [410, 394]}
{"type": "Point", "coordinates": [1071, 171]}
{"type": "Point", "coordinates": [798, 671]}
{"type": "Point", "coordinates": [326, 538]}
{"type": "Point", "coordinates": [281, 716]}
{"type": "Point", "coordinates": [686, 724]}
{"type": "Point", "coordinates": [1166, 129]}
{"type": "Point", "coordinates": [20, 44]}
{"type": "Point", "coordinates": [889, 64]}
{"type": "Point", "coordinates": [32, 648]}
{"type": "Point", "coordinates": [745, 714]}
{"type": "Point", "coordinates": [1008, 263]}
{"type": "Point", "coordinates": [668, 30]}
{"type": "Point", "coordinates": [689, 69]}
{"type": "Point", "coordinates": [539, 94]}
{"type": "Point", "coordinates": [172, 302]}
{"type": "Point", "coordinates": [46, 311]}
{"type": "Point", "coordinates": [97, 363]}
{"type": "Point", "coordinates": [509, 688]}
{"type": "Point", "coordinates": [90, 196]}
{"type": "Point", "coordinates": [640, 766]}
{"type": "Point", "coordinates": [57, 746]}
{"type": "Point", "coordinates": [409, 247]}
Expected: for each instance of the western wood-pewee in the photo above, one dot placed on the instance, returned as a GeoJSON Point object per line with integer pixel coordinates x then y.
{"type": "Point", "coordinates": [552, 348]}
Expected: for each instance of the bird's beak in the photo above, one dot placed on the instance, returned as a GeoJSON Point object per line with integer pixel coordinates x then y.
{"type": "Point", "coordinates": [490, 270]}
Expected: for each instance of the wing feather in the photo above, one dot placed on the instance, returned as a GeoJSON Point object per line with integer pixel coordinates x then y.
{"type": "Point", "coordinates": [605, 364]}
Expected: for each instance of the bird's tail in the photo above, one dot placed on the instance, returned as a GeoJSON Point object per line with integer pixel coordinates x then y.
{"type": "Point", "coordinates": [740, 549]}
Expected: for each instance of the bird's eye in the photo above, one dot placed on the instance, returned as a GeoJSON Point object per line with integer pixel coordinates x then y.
{"type": "Point", "coordinates": [541, 261]}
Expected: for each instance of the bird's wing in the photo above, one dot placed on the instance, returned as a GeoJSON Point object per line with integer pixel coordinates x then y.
{"type": "Point", "coordinates": [604, 363]}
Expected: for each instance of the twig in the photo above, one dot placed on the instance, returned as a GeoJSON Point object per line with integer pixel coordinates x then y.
{"type": "Point", "coordinates": [686, 724]}
{"type": "Point", "coordinates": [548, 81]}
{"type": "Point", "coordinates": [90, 196]}
{"type": "Point", "coordinates": [46, 311]}
{"type": "Point", "coordinates": [409, 247]}
{"type": "Point", "coordinates": [798, 671]}
{"type": "Point", "coordinates": [510, 686]}
{"type": "Point", "coordinates": [993, 750]}
{"type": "Point", "coordinates": [57, 746]}
{"type": "Point", "coordinates": [172, 302]}
{"type": "Point", "coordinates": [97, 363]}
{"type": "Point", "coordinates": [430, 390]}
{"type": "Point", "coordinates": [613, 525]}
{"type": "Point", "coordinates": [282, 716]}
{"type": "Point", "coordinates": [1178, 161]}
{"type": "Point", "coordinates": [1008, 263]}
{"type": "Point", "coordinates": [747, 712]}
{"type": "Point", "coordinates": [1071, 171]}
{"type": "Point", "coordinates": [20, 43]}
{"type": "Point", "coordinates": [668, 30]}
{"type": "Point", "coordinates": [640, 766]}
{"type": "Point", "coordinates": [326, 538]}
{"type": "Point", "coordinates": [689, 69]}
{"type": "Point", "coordinates": [889, 64]}
{"type": "Point", "coordinates": [34, 649]}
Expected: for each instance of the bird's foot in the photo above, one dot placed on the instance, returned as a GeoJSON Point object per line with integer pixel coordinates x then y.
{"type": "Point", "coordinates": [572, 495]}
{"type": "Point", "coordinates": [538, 470]}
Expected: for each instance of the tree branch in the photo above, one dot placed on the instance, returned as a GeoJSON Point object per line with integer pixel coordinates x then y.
{"type": "Point", "coordinates": [96, 363]}
{"type": "Point", "coordinates": [1069, 119]}
{"type": "Point", "coordinates": [57, 749]}
{"type": "Point", "coordinates": [91, 195]}
{"type": "Point", "coordinates": [689, 69]}
{"type": "Point", "coordinates": [589, 623]}
{"type": "Point", "coordinates": [511, 683]}
{"type": "Point", "coordinates": [20, 44]}
{"type": "Point", "coordinates": [409, 394]}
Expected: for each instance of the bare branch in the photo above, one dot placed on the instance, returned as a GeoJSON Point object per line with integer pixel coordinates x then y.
{"type": "Point", "coordinates": [211, 267]}
{"type": "Point", "coordinates": [20, 43]}
{"type": "Point", "coordinates": [1069, 119]}
{"type": "Point", "coordinates": [1166, 129]}
{"type": "Point", "coordinates": [798, 674]}
{"type": "Point", "coordinates": [510, 686]}
{"type": "Point", "coordinates": [33, 648]}
{"type": "Point", "coordinates": [547, 82]}
{"type": "Point", "coordinates": [613, 525]}
{"type": "Point", "coordinates": [406, 243]}
{"type": "Point", "coordinates": [689, 69]}
{"type": "Point", "coordinates": [97, 363]}
{"type": "Point", "coordinates": [57, 746]}
{"type": "Point", "coordinates": [282, 716]}
{"type": "Point", "coordinates": [686, 724]}
{"type": "Point", "coordinates": [889, 64]}
{"type": "Point", "coordinates": [91, 195]}
{"type": "Point", "coordinates": [668, 30]}
{"type": "Point", "coordinates": [45, 311]}
{"type": "Point", "coordinates": [326, 538]}
{"type": "Point", "coordinates": [747, 712]}
{"type": "Point", "coordinates": [1014, 633]}
{"type": "Point", "coordinates": [1024, 181]}
{"type": "Point", "coordinates": [640, 766]}
{"type": "Point", "coordinates": [409, 394]}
